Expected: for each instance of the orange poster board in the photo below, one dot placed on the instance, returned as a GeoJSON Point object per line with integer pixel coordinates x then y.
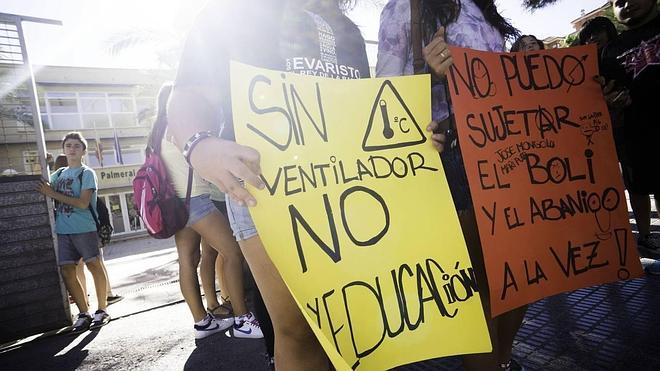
{"type": "Point", "coordinates": [539, 154]}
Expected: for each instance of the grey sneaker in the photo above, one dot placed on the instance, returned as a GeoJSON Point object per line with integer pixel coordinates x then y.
{"type": "Point", "coordinates": [82, 324]}
{"type": "Point", "coordinates": [101, 318]}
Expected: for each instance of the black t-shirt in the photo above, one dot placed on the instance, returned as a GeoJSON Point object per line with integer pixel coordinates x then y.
{"type": "Point", "coordinates": [300, 41]}
{"type": "Point", "coordinates": [633, 60]}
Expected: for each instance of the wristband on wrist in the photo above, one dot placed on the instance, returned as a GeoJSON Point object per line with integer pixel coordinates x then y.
{"type": "Point", "coordinates": [193, 141]}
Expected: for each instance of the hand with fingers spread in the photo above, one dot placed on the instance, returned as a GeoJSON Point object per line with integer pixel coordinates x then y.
{"type": "Point", "coordinates": [224, 163]}
{"type": "Point", "coordinates": [437, 54]}
{"type": "Point", "coordinates": [437, 138]}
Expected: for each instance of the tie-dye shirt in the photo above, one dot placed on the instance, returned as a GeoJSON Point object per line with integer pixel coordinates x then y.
{"type": "Point", "coordinates": [395, 58]}
{"type": "Point", "coordinates": [395, 54]}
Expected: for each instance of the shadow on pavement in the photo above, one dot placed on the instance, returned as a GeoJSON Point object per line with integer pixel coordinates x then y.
{"type": "Point", "coordinates": [223, 352]}
{"type": "Point", "coordinates": [45, 355]}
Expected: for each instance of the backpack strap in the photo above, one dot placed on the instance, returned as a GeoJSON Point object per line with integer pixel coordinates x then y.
{"type": "Point", "coordinates": [189, 189]}
{"type": "Point", "coordinates": [58, 172]}
{"type": "Point", "coordinates": [416, 36]}
{"type": "Point", "coordinates": [89, 207]}
{"type": "Point", "coordinates": [156, 137]}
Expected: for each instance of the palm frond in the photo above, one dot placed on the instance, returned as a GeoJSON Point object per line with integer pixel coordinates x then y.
{"type": "Point", "coordinates": [537, 4]}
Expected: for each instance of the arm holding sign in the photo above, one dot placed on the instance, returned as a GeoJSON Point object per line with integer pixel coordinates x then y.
{"type": "Point", "coordinates": [220, 161]}
{"type": "Point", "coordinates": [437, 54]}
{"type": "Point", "coordinates": [392, 59]}
{"type": "Point", "coordinates": [437, 138]}
{"type": "Point", "coordinates": [615, 97]}
{"type": "Point", "coordinates": [199, 103]}
{"type": "Point", "coordinates": [398, 42]}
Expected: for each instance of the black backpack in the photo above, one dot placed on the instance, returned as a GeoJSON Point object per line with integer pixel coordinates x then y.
{"type": "Point", "coordinates": [103, 226]}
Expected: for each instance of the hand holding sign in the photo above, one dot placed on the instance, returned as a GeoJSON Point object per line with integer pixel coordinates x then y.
{"type": "Point", "coordinates": [437, 138]}
{"type": "Point", "coordinates": [615, 97]}
{"type": "Point", "coordinates": [223, 162]}
{"type": "Point", "coordinates": [437, 54]}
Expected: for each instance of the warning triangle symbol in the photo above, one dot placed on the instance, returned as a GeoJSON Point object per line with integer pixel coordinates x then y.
{"type": "Point", "coordinates": [391, 124]}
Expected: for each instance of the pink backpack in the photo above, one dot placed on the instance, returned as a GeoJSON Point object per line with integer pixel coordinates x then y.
{"type": "Point", "coordinates": [161, 211]}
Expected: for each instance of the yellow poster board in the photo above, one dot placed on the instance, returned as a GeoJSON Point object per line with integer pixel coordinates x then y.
{"type": "Point", "coordinates": [357, 215]}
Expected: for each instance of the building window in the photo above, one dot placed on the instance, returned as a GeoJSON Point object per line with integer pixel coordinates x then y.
{"type": "Point", "coordinates": [132, 156]}
{"type": "Point", "coordinates": [123, 216]}
{"type": "Point", "coordinates": [31, 162]}
{"type": "Point", "coordinates": [64, 122]}
{"type": "Point", "coordinates": [93, 103]}
{"type": "Point", "coordinates": [133, 217]}
{"type": "Point", "coordinates": [95, 121]}
{"type": "Point", "coordinates": [109, 158]}
{"type": "Point", "coordinates": [121, 103]}
{"type": "Point", "coordinates": [116, 214]}
{"type": "Point", "coordinates": [91, 110]}
{"type": "Point", "coordinates": [62, 105]}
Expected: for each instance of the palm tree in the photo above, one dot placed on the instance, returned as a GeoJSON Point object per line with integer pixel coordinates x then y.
{"type": "Point", "coordinates": [537, 4]}
{"type": "Point", "coordinates": [166, 44]}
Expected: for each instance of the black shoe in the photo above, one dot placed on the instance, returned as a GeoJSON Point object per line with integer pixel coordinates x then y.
{"type": "Point", "coordinates": [114, 299]}
{"type": "Point", "coordinates": [82, 324]}
{"type": "Point", "coordinates": [101, 318]}
{"type": "Point", "coordinates": [650, 242]}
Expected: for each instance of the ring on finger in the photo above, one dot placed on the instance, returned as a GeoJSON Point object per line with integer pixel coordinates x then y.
{"type": "Point", "coordinates": [443, 55]}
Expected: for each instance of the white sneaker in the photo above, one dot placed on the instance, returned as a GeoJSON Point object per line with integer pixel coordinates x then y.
{"type": "Point", "coordinates": [247, 327]}
{"type": "Point", "coordinates": [212, 326]}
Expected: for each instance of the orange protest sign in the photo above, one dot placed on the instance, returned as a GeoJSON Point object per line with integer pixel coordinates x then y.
{"type": "Point", "coordinates": [539, 154]}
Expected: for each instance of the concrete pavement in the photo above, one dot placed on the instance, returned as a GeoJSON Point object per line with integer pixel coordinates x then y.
{"type": "Point", "coordinates": [607, 327]}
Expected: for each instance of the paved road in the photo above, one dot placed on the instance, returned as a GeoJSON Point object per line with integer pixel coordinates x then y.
{"type": "Point", "coordinates": [608, 327]}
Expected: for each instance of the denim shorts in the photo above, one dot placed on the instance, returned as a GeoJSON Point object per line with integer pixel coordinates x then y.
{"type": "Point", "coordinates": [240, 220]}
{"type": "Point", "coordinates": [72, 247]}
{"type": "Point", "coordinates": [221, 206]}
{"type": "Point", "coordinates": [200, 206]}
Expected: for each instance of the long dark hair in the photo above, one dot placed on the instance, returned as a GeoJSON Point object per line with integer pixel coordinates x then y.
{"type": "Point", "coordinates": [160, 124]}
{"type": "Point", "coordinates": [517, 45]}
{"type": "Point", "coordinates": [446, 12]}
{"type": "Point", "coordinates": [594, 25]}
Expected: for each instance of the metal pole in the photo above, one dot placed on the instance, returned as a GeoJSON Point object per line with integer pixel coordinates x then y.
{"type": "Point", "coordinates": [36, 115]}
{"type": "Point", "coordinates": [40, 138]}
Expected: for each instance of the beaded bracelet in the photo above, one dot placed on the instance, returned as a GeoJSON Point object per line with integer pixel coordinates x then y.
{"type": "Point", "coordinates": [193, 141]}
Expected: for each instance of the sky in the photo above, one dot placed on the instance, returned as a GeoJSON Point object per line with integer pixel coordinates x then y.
{"type": "Point", "coordinates": [91, 27]}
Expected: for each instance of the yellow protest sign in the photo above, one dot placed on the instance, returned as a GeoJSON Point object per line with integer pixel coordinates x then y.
{"type": "Point", "coordinates": [357, 215]}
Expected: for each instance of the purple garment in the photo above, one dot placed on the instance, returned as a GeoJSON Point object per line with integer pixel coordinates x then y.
{"type": "Point", "coordinates": [395, 58]}
{"type": "Point", "coordinates": [395, 55]}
